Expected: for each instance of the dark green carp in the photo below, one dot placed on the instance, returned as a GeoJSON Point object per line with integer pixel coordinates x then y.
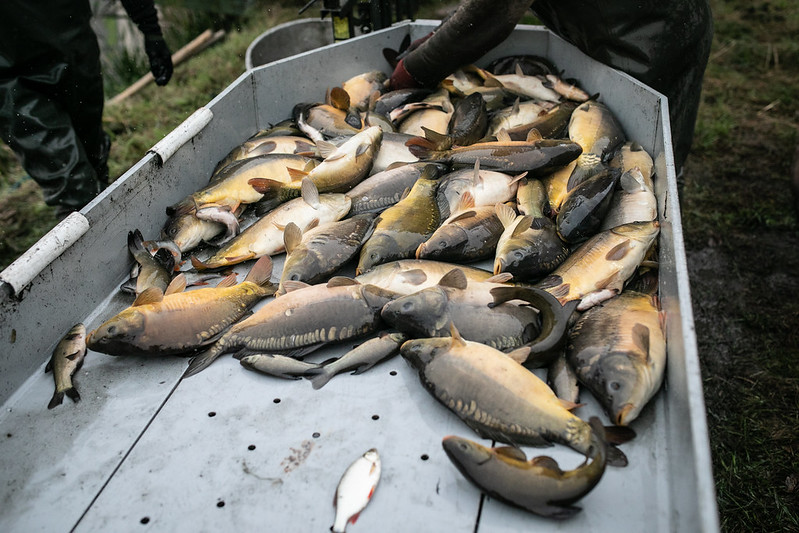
{"type": "Point", "coordinates": [584, 209]}
{"type": "Point", "coordinates": [468, 235]}
{"type": "Point", "coordinates": [537, 485]}
{"type": "Point", "coordinates": [384, 189]}
{"type": "Point", "coordinates": [400, 229]}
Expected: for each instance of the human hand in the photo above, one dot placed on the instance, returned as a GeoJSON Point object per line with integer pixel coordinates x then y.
{"type": "Point", "coordinates": [160, 58]}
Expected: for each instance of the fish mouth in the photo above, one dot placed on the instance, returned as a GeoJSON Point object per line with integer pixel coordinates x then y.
{"type": "Point", "coordinates": [623, 414]}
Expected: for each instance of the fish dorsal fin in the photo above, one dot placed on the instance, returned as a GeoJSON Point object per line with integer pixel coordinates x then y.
{"type": "Point", "coordinates": [294, 285]}
{"type": "Point", "coordinates": [457, 340]}
{"type": "Point", "coordinates": [151, 295]}
{"type": "Point", "coordinates": [466, 201]}
{"type": "Point", "coordinates": [503, 136]}
{"type": "Point", "coordinates": [292, 236]}
{"type": "Point", "coordinates": [515, 108]}
{"type": "Point", "coordinates": [504, 277]}
{"type": "Point", "coordinates": [339, 98]}
{"type": "Point", "coordinates": [396, 164]}
{"type": "Point", "coordinates": [178, 284]}
{"type": "Point", "coordinates": [544, 461]}
{"type": "Point", "coordinates": [310, 165]}
{"type": "Point", "coordinates": [477, 179]}
{"type": "Point", "coordinates": [518, 70]}
{"type": "Point", "coordinates": [415, 276]}
{"type": "Point", "coordinates": [632, 181]}
{"type": "Point", "coordinates": [534, 135]}
{"type": "Point", "coordinates": [523, 225]}
{"type": "Point", "coordinates": [405, 193]}
{"type": "Point", "coordinates": [491, 81]}
{"type": "Point", "coordinates": [341, 281]}
{"type": "Point", "coordinates": [506, 214]}
{"type": "Point", "coordinates": [325, 148]}
{"type": "Point", "coordinates": [294, 173]}
{"type": "Point", "coordinates": [455, 279]}
{"type": "Point", "coordinates": [310, 193]}
{"type": "Point", "coordinates": [520, 355]}
{"type": "Point", "coordinates": [227, 281]}
{"type": "Point", "coordinates": [511, 452]}
{"type": "Point", "coordinates": [641, 340]}
{"type": "Point", "coordinates": [261, 271]}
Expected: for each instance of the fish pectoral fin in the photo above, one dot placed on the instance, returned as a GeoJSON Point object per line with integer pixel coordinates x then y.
{"type": "Point", "coordinates": [455, 279]}
{"type": "Point", "coordinates": [227, 281]}
{"type": "Point", "coordinates": [566, 404]}
{"type": "Point", "coordinates": [49, 366]}
{"type": "Point", "coordinates": [341, 281]}
{"type": "Point", "coordinates": [151, 295]}
{"type": "Point", "coordinates": [73, 356]}
{"type": "Point", "coordinates": [415, 276]}
{"type": "Point", "coordinates": [293, 285]}
{"type": "Point", "coordinates": [503, 277]}
{"type": "Point", "coordinates": [511, 452]}
{"type": "Point", "coordinates": [619, 434]}
{"type": "Point", "coordinates": [177, 285]}
{"type": "Point", "coordinates": [560, 512]}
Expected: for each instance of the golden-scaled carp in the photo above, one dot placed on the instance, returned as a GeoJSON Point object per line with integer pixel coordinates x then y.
{"type": "Point", "coordinates": [550, 124]}
{"type": "Point", "coordinates": [181, 322]}
{"type": "Point", "coordinates": [407, 276]}
{"type": "Point", "coordinates": [361, 88]}
{"type": "Point", "coordinates": [360, 359]}
{"type": "Point", "coordinates": [431, 312]}
{"type": "Point", "coordinates": [231, 186]}
{"type": "Point", "coordinates": [598, 269]}
{"type": "Point", "coordinates": [618, 350]}
{"type": "Point", "coordinates": [302, 320]}
{"type": "Point", "coordinates": [188, 231]}
{"type": "Point", "coordinates": [597, 130]}
{"type": "Point", "coordinates": [355, 489]}
{"type": "Point", "coordinates": [400, 229]}
{"type": "Point", "coordinates": [632, 155]}
{"type": "Point", "coordinates": [538, 485]}
{"type": "Point", "coordinates": [315, 255]}
{"type": "Point", "coordinates": [343, 167]}
{"type": "Point", "coordinates": [566, 90]}
{"type": "Point", "coordinates": [494, 395]}
{"type": "Point", "coordinates": [265, 236]}
{"type": "Point", "coordinates": [67, 359]}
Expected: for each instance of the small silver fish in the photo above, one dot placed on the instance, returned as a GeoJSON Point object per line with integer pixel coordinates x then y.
{"type": "Point", "coordinates": [67, 359]}
{"type": "Point", "coordinates": [355, 489]}
{"type": "Point", "coordinates": [277, 365]}
{"type": "Point", "coordinates": [360, 359]}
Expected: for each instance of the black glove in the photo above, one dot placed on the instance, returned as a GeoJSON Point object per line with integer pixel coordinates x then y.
{"type": "Point", "coordinates": [160, 58]}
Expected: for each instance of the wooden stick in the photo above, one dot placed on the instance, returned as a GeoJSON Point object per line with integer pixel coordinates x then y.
{"type": "Point", "coordinates": [198, 44]}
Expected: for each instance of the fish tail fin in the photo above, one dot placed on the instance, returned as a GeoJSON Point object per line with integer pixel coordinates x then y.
{"type": "Point", "coordinates": [440, 140]}
{"type": "Point", "coordinates": [198, 264]}
{"type": "Point", "coordinates": [204, 360]}
{"type": "Point", "coordinates": [57, 398]}
{"type": "Point", "coordinates": [421, 147]}
{"type": "Point", "coordinates": [318, 377]}
{"type": "Point", "coordinates": [73, 394]}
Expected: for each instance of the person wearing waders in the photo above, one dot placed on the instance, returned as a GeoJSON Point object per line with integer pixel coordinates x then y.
{"type": "Point", "coordinates": [51, 93]}
{"type": "Point", "coordinates": [665, 45]}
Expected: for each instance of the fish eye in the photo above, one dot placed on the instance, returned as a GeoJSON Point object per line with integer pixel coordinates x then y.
{"type": "Point", "coordinates": [518, 255]}
{"type": "Point", "coordinates": [442, 244]}
{"type": "Point", "coordinates": [614, 385]}
{"type": "Point", "coordinates": [112, 330]}
{"type": "Point", "coordinates": [407, 306]}
{"type": "Point", "coordinates": [463, 446]}
{"type": "Point", "coordinates": [294, 277]}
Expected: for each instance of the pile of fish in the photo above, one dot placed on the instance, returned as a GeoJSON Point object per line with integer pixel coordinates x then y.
{"type": "Point", "coordinates": [501, 166]}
